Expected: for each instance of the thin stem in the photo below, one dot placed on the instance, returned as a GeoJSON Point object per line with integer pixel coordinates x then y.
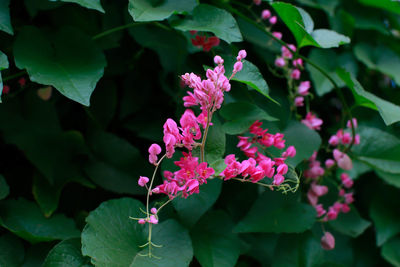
{"type": "Point", "coordinates": [262, 184]}
{"type": "Point", "coordinates": [13, 76]}
{"type": "Point", "coordinates": [151, 184]}
{"type": "Point", "coordinates": [203, 141]}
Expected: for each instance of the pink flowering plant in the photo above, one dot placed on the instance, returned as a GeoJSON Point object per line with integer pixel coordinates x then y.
{"type": "Point", "coordinates": [182, 133]}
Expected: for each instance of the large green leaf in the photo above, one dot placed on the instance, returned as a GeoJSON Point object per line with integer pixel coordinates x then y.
{"type": "Point", "coordinates": [24, 219]}
{"type": "Point", "coordinates": [72, 65]}
{"type": "Point", "coordinates": [390, 112]}
{"type": "Point", "coordinates": [5, 21]}
{"type": "Point", "coordinates": [382, 154]}
{"type": "Point", "coordinates": [111, 239]}
{"type": "Point", "coordinates": [3, 65]}
{"type": "Point", "coordinates": [192, 208]}
{"type": "Point", "coordinates": [274, 212]}
{"type": "Point", "coordinates": [214, 243]}
{"type": "Point", "coordinates": [391, 251]}
{"type": "Point", "coordinates": [389, 5]}
{"type": "Point", "coordinates": [329, 61]}
{"type": "Point", "coordinates": [241, 115]}
{"type": "Point", "coordinates": [301, 25]}
{"type": "Point", "coordinates": [390, 178]}
{"type": "Point", "coordinates": [4, 189]}
{"type": "Point", "coordinates": [305, 140]}
{"type": "Point", "coordinates": [92, 4]}
{"type": "Point", "coordinates": [385, 214]}
{"type": "Point", "coordinates": [379, 58]}
{"type": "Point", "coordinates": [145, 10]}
{"type": "Point", "coordinates": [215, 143]}
{"type": "Point", "coordinates": [211, 19]}
{"type": "Point", "coordinates": [11, 251]}
{"type": "Point", "coordinates": [115, 165]}
{"type": "Point", "coordinates": [350, 223]}
{"type": "Point", "coordinates": [249, 75]}
{"type": "Point", "coordinates": [67, 253]}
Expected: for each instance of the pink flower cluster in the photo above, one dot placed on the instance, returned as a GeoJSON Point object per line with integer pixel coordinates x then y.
{"type": "Point", "coordinates": [266, 15]}
{"type": "Point", "coordinates": [187, 179]}
{"type": "Point", "coordinates": [259, 166]}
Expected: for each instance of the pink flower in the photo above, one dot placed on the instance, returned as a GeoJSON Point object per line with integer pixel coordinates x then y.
{"type": "Point", "coordinates": [345, 208]}
{"type": "Point", "coordinates": [337, 206]}
{"type": "Point", "coordinates": [286, 52]}
{"type": "Point", "coordinates": [154, 150]}
{"type": "Point", "coordinates": [143, 181]}
{"type": "Point", "coordinates": [348, 124]}
{"type": "Point", "coordinates": [346, 139]}
{"type": "Point", "coordinates": [6, 89]}
{"type": "Point", "coordinates": [334, 140]}
{"type": "Point", "coordinates": [257, 2]}
{"type": "Point", "coordinates": [290, 152]}
{"type": "Point", "coordinates": [295, 74]}
{"type": "Point", "coordinates": [265, 14]}
{"type": "Point", "coordinates": [342, 159]}
{"type": "Point", "coordinates": [273, 20]}
{"type": "Point", "coordinates": [232, 170]}
{"type": "Point", "coordinates": [141, 221]}
{"type": "Point", "coordinates": [153, 219]}
{"type": "Point", "coordinates": [241, 55]}
{"type": "Point", "coordinates": [312, 122]}
{"type": "Point", "coordinates": [332, 214]}
{"type": "Point", "coordinates": [257, 174]}
{"type": "Point", "coordinates": [304, 87]}
{"type": "Point", "coordinates": [282, 169]}
{"type": "Point", "coordinates": [218, 60]}
{"type": "Point", "coordinates": [348, 198]}
{"type": "Point", "coordinates": [280, 62]}
{"type": "Point", "coordinates": [319, 190]}
{"type": "Point", "coordinates": [299, 101]}
{"type": "Point", "coordinates": [357, 139]}
{"type": "Point", "coordinates": [278, 179]}
{"type": "Point", "coordinates": [204, 171]}
{"type": "Point", "coordinates": [192, 186]}
{"type": "Point", "coordinates": [329, 163]}
{"type": "Point", "coordinates": [238, 66]}
{"type": "Point", "coordinates": [277, 35]}
{"type": "Point", "coordinates": [341, 192]}
{"type": "Point", "coordinates": [153, 210]}
{"type": "Point", "coordinates": [328, 241]}
{"type": "Point", "coordinates": [189, 100]}
{"type": "Point", "coordinates": [267, 166]}
{"type": "Point", "coordinates": [298, 62]}
{"type": "Point", "coordinates": [312, 198]}
{"type": "Point", "coordinates": [320, 210]}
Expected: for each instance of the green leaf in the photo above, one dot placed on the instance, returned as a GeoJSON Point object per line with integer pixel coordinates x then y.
{"type": "Point", "coordinates": [391, 251]}
{"type": "Point", "coordinates": [382, 154]}
{"type": "Point", "coordinates": [350, 223]}
{"type": "Point", "coordinates": [11, 251]}
{"type": "Point", "coordinates": [111, 239]}
{"type": "Point", "coordinates": [305, 140]}
{"type": "Point", "coordinates": [3, 65]}
{"type": "Point", "coordinates": [72, 65]}
{"type": "Point", "coordinates": [249, 75]}
{"type": "Point", "coordinates": [327, 38]}
{"type": "Point", "coordinates": [91, 4]}
{"type": "Point", "coordinates": [215, 143]}
{"type": "Point", "coordinates": [192, 208]}
{"type": "Point", "coordinates": [5, 21]}
{"type": "Point", "coordinates": [115, 165]}
{"type": "Point", "coordinates": [274, 212]}
{"type": "Point", "coordinates": [172, 51]}
{"type": "Point", "coordinates": [145, 10]}
{"type": "Point", "coordinates": [4, 189]}
{"type": "Point", "coordinates": [329, 61]}
{"type": "Point", "coordinates": [214, 243]}
{"type": "Point", "coordinates": [67, 253]}
{"type": "Point", "coordinates": [328, 6]}
{"type": "Point", "coordinates": [384, 213]}
{"type": "Point", "coordinates": [379, 58]}
{"type": "Point", "coordinates": [389, 5]}
{"type": "Point", "coordinates": [241, 115]}
{"type": "Point", "coordinates": [301, 25]}
{"type": "Point", "coordinates": [390, 178]}
{"type": "Point", "coordinates": [390, 113]}
{"type": "Point", "coordinates": [211, 19]}
{"type": "Point", "coordinates": [24, 219]}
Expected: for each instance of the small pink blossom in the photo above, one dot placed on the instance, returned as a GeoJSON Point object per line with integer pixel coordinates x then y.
{"type": "Point", "coordinates": [218, 60]}
{"type": "Point", "coordinates": [357, 139]}
{"type": "Point", "coordinates": [273, 20]}
{"type": "Point", "coordinates": [143, 181]}
{"type": "Point", "coordinates": [238, 66]}
{"type": "Point", "coordinates": [153, 219]}
{"type": "Point", "coordinates": [257, 2]}
{"type": "Point", "coordinates": [299, 101]}
{"type": "Point", "coordinates": [341, 192]}
{"type": "Point", "coordinates": [282, 169]}
{"type": "Point", "coordinates": [154, 150]}
{"type": "Point", "coordinates": [278, 179]}
{"type": "Point", "coordinates": [348, 124]}
{"type": "Point", "coordinates": [290, 152]}
{"type": "Point", "coordinates": [312, 122]}
{"type": "Point", "coordinates": [286, 52]}
{"type": "Point", "coordinates": [346, 139]}
{"type": "Point", "coordinates": [320, 210]}
{"type": "Point", "coordinates": [298, 62]}
{"type": "Point", "coordinates": [319, 190]}
{"type": "Point", "coordinates": [304, 87]}
{"type": "Point", "coordinates": [333, 140]}
{"type": "Point", "coordinates": [348, 198]}
{"type": "Point", "coordinates": [295, 74]}
{"type": "Point", "coordinates": [345, 208]}
{"type": "Point", "coordinates": [241, 55]}
{"type": "Point", "coordinates": [328, 241]}
{"type": "Point", "coordinates": [332, 214]}
{"type": "Point", "coordinates": [265, 14]}
{"type": "Point", "coordinates": [329, 163]}
{"type": "Point", "coordinates": [6, 89]}
{"type": "Point", "coordinates": [280, 62]}
{"type": "Point", "coordinates": [153, 210]}
{"type": "Point", "coordinates": [277, 35]}
{"type": "Point", "coordinates": [142, 221]}
{"type": "Point", "coordinates": [312, 198]}
{"type": "Point", "coordinates": [342, 159]}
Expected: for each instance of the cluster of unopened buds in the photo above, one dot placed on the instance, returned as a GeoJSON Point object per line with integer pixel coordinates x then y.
{"type": "Point", "coordinates": [21, 82]}
{"type": "Point", "coordinates": [258, 166]}
{"type": "Point", "coordinates": [203, 41]}
{"type": "Point", "coordinates": [315, 173]}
